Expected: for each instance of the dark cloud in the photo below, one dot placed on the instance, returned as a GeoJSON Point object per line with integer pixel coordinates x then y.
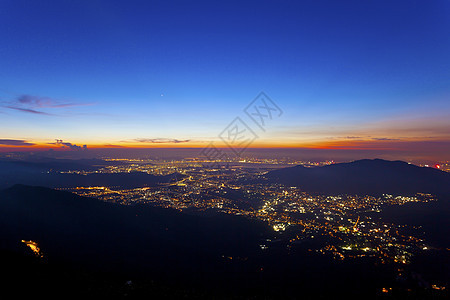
{"type": "Point", "coordinates": [162, 140]}
{"type": "Point", "coordinates": [15, 142]}
{"type": "Point", "coordinates": [69, 145]}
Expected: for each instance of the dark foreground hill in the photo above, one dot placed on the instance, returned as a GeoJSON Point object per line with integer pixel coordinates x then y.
{"type": "Point", "coordinates": [121, 237]}
{"type": "Point", "coordinates": [365, 177]}
{"type": "Point", "coordinates": [130, 242]}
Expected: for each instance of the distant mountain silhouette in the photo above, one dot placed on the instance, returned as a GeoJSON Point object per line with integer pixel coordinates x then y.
{"type": "Point", "coordinates": [365, 177]}
{"type": "Point", "coordinates": [46, 172]}
{"type": "Point", "coordinates": [43, 164]}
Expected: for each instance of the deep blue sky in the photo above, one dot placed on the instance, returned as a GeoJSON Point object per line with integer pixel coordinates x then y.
{"type": "Point", "coordinates": [184, 69]}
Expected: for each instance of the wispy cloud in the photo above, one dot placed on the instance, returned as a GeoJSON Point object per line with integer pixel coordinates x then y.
{"type": "Point", "coordinates": [43, 102]}
{"type": "Point", "coordinates": [8, 142]}
{"type": "Point", "coordinates": [68, 145]}
{"type": "Point", "coordinates": [28, 110]}
{"type": "Point", "coordinates": [37, 104]}
{"type": "Point", "coordinates": [112, 146]}
{"type": "Point", "coordinates": [384, 139]}
{"type": "Point", "coordinates": [161, 141]}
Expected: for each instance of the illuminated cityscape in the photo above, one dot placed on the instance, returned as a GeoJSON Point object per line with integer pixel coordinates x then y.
{"type": "Point", "coordinates": [348, 223]}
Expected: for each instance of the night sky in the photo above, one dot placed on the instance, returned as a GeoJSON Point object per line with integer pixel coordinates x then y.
{"type": "Point", "coordinates": [346, 74]}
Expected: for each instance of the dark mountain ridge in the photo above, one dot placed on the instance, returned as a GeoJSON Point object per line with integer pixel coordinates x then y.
{"type": "Point", "coordinates": [43, 164]}
{"type": "Point", "coordinates": [366, 176]}
{"type": "Point", "coordinates": [49, 172]}
{"type": "Point", "coordinates": [65, 180]}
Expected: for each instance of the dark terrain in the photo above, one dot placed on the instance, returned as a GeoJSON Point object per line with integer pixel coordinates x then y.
{"type": "Point", "coordinates": [365, 177]}
{"type": "Point", "coordinates": [92, 247]}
